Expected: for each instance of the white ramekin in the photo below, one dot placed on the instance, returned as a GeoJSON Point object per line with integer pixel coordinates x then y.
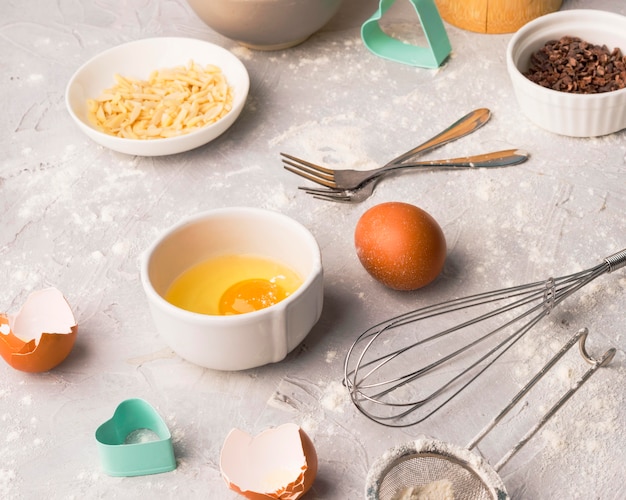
{"type": "Point", "coordinates": [576, 115]}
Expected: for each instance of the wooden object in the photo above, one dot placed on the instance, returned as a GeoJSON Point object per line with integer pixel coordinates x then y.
{"type": "Point", "coordinates": [494, 16]}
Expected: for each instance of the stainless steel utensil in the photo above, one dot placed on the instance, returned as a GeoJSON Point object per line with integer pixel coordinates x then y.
{"type": "Point", "coordinates": [352, 179]}
{"type": "Point", "coordinates": [462, 127]}
{"type": "Point", "coordinates": [428, 463]}
{"type": "Point", "coordinates": [366, 188]}
{"type": "Point", "coordinates": [399, 375]}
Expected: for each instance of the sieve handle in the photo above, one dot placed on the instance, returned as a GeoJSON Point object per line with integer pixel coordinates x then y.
{"type": "Point", "coordinates": [580, 337]}
{"type": "Point", "coordinates": [606, 359]}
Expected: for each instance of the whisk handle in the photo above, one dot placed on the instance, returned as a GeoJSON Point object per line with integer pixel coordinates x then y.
{"type": "Point", "coordinates": [616, 261]}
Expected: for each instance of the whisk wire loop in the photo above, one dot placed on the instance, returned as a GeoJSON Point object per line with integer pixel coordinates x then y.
{"type": "Point", "coordinates": [498, 351]}
{"type": "Point", "coordinates": [439, 309]}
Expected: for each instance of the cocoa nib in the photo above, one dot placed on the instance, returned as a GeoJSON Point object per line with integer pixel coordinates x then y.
{"type": "Point", "coordinates": [573, 65]}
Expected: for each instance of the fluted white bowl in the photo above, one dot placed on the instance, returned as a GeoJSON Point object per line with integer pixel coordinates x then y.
{"type": "Point", "coordinates": [576, 115]}
{"type": "Point", "coordinates": [241, 341]}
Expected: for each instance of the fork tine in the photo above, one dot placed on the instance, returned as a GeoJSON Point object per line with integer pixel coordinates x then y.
{"type": "Point", "coordinates": [338, 197]}
{"type": "Point", "coordinates": [322, 190]}
{"type": "Point", "coordinates": [310, 176]}
{"type": "Point", "coordinates": [310, 171]}
{"type": "Point", "coordinates": [333, 198]}
{"type": "Point", "coordinates": [315, 173]}
{"type": "Point", "coordinates": [330, 194]}
{"type": "Point", "coordinates": [357, 195]}
{"type": "Point", "coordinates": [312, 166]}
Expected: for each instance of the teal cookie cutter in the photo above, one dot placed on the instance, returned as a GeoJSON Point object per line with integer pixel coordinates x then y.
{"type": "Point", "coordinates": [135, 441]}
{"type": "Point", "coordinates": [383, 45]}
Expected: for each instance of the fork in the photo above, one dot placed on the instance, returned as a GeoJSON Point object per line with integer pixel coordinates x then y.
{"type": "Point", "coordinates": [336, 189]}
{"type": "Point", "coordinates": [342, 179]}
{"type": "Point", "coordinates": [352, 179]}
{"type": "Point", "coordinates": [366, 189]}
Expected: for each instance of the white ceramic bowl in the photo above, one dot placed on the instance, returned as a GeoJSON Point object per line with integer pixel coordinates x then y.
{"type": "Point", "coordinates": [137, 60]}
{"type": "Point", "coordinates": [576, 115]}
{"type": "Point", "coordinates": [266, 24]}
{"type": "Point", "coordinates": [241, 341]}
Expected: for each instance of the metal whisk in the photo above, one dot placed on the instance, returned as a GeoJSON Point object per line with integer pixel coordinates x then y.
{"type": "Point", "coordinates": [398, 375]}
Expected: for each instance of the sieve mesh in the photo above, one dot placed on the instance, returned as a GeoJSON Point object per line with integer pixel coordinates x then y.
{"type": "Point", "coordinates": [422, 469]}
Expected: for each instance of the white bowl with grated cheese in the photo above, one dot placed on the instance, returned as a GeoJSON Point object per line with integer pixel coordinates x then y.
{"type": "Point", "coordinates": [165, 101]}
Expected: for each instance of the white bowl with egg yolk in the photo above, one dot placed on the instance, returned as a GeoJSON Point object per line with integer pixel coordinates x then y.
{"type": "Point", "coordinates": [241, 341]}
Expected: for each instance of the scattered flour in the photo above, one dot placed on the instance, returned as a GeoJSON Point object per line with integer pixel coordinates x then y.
{"type": "Point", "coordinates": [278, 199]}
{"type": "Point", "coordinates": [242, 52]}
{"type": "Point", "coordinates": [97, 255]}
{"type": "Point", "coordinates": [13, 435]}
{"type": "Point", "coordinates": [437, 490]}
{"type": "Point", "coordinates": [7, 477]}
{"type": "Point", "coordinates": [141, 436]}
{"type": "Point", "coordinates": [121, 248]}
{"type": "Point", "coordinates": [553, 439]}
{"type": "Point", "coordinates": [309, 425]}
{"type": "Point", "coordinates": [330, 356]}
{"type": "Point", "coordinates": [335, 397]}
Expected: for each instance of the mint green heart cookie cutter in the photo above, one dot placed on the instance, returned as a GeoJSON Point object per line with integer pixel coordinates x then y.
{"type": "Point", "coordinates": [383, 45]}
{"type": "Point", "coordinates": [135, 441]}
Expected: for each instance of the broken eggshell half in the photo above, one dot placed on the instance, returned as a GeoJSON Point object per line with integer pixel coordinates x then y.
{"type": "Point", "coordinates": [279, 463]}
{"type": "Point", "coordinates": [41, 334]}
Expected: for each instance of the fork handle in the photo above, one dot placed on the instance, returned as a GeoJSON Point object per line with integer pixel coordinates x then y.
{"type": "Point", "coordinates": [462, 127]}
{"type": "Point", "coordinates": [495, 159]}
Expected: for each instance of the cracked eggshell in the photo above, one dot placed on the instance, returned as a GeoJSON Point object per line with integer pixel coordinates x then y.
{"type": "Point", "coordinates": [279, 463]}
{"type": "Point", "coordinates": [41, 334]}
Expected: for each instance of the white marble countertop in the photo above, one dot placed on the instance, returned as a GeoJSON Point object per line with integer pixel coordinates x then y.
{"type": "Point", "coordinates": [77, 217]}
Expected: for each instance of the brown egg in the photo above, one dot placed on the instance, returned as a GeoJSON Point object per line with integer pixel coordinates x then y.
{"type": "Point", "coordinates": [42, 333]}
{"type": "Point", "coordinates": [400, 245]}
{"type": "Point", "coordinates": [280, 463]}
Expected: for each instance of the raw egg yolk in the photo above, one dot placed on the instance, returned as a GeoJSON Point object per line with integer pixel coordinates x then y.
{"type": "Point", "coordinates": [251, 295]}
